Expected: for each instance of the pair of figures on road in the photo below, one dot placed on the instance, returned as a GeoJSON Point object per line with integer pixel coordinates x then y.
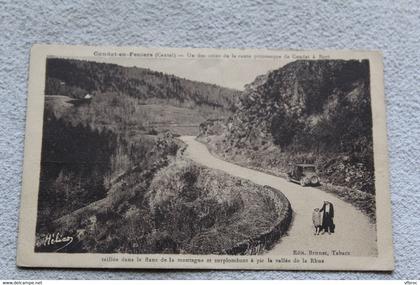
{"type": "Point", "coordinates": [323, 219]}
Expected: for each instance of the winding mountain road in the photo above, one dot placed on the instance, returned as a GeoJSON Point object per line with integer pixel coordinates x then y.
{"type": "Point", "coordinates": [354, 233]}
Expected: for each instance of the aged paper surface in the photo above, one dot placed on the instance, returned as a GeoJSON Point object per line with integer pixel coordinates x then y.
{"type": "Point", "coordinates": [205, 158]}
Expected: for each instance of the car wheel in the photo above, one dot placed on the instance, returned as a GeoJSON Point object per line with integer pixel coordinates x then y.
{"type": "Point", "coordinates": [302, 182]}
{"type": "Point", "coordinates": [314, 180]}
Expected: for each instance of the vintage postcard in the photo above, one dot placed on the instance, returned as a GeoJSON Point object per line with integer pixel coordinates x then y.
{"type": "Point", "coordinates": [205, 159]}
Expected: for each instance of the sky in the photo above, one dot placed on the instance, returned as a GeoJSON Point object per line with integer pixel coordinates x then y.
{"type": "Point", "coordinates": [224, 72]}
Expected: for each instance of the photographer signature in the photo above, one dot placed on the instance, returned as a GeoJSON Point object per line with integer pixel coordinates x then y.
{"type": "Point", "coordinates": [55, 239]}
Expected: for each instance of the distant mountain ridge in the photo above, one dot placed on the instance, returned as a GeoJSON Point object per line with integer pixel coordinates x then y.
{"type": "Point", "coordinates": [75, 78]}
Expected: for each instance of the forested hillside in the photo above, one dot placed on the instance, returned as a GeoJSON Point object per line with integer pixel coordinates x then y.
{"type": "Point", "coordinates": [76, 78]}
{"type": "Point", "coordinates": [75, 162]}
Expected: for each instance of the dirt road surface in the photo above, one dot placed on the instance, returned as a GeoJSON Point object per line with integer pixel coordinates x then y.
{"type": "Point", "coordinates": [354, 233]}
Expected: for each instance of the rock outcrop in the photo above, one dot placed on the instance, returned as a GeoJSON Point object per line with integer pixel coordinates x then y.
{"type": "Point", "coordinates": [306, 111]}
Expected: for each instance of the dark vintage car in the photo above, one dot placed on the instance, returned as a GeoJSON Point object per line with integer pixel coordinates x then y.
{"type": "Point", "coordinates": [305, 174]}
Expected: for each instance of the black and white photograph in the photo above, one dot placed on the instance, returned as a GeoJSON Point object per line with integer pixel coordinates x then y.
{"type": "Point", "coordinates": [202, 153]}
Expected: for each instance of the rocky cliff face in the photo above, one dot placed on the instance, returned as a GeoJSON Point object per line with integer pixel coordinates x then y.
{"type": "Point", "coordinates": [307, 111]}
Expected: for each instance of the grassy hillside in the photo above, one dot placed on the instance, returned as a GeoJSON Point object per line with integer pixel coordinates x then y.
{"type": "Point", "coordinates": [123, 114]}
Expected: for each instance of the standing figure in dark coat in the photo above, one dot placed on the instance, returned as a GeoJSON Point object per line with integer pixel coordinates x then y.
{"type": "Point", "coordinates": [327, 217]}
